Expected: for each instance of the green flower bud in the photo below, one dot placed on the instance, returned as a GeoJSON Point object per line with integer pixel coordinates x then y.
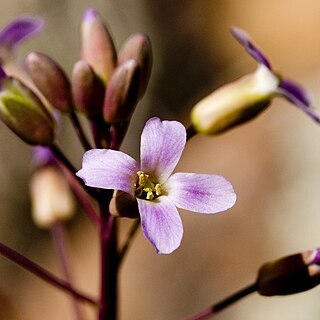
{"type": "Point", "coordinates": [292, 274]}
{"type": "Point", "coordinates": [23, 112]}
{"type": "Point", "coordinates": [87, 89]}
{"type": "Point", "coordinates": [97, 45]}
{"type": "Point", "coordinates": [235, 103]}
{"type": "Point", "coordinates": [122, 92]}
{"type": "Point", "coordinates": [50, 79]}
{"type": "Point", "coordinates": [138, 47]}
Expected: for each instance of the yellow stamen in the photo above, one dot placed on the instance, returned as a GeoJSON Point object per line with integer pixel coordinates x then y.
{"type": "Point", "coordinates": [146, 189]}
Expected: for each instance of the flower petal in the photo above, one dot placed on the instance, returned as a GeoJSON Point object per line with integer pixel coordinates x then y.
{"type": "Point", "coordinates": [295, 90]}
{"type": "Point", "coordinates": [161, 224]}
{"type": "Point", "coordinates": [246, 42]}
{"type": "Point", "coordinates": [162, 143]}
{"type": "Point", "coordinates": [203, 193]}
{"type": "Point", "coordinates": [20, 29]}
{"type": "Point", "coordinates": [109, 169]}
{"type": "Point", "coordinates": [298, 96]}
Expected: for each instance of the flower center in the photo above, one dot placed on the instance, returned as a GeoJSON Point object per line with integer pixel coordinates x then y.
{"type": "Point", "coordinates": [145, 188]}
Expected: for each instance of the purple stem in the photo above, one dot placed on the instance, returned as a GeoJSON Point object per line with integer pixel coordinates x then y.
{"type": "Point", "coordinates": [109, 261]}
{"type": "Point", "coordinates": [62, 159]}
{"type": "Point", "coordinates": [42, 273]}
{"type": "Point", "coordinates": [59, 238]}
{"type": "Point", "coordinates": [59, 155]}
{"type": "Point", "coordinates": [80, 133]}
{"type": "Point", "coordinates": [100, 131]}
{"type": "Point", "coordinates": [82, 196]}
{"type": "Point", "coordinates": [213, 310]}
{"type": "Point", "coordinates": [118, 133]}
{"type": "Point", "coordinates": [77, 185]}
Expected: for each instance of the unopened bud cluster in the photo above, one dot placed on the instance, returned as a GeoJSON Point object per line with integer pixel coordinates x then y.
{"type": "Point", "coordinates": [103, 86]}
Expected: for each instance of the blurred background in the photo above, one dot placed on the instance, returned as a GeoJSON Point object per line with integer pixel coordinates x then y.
{"type": "Point", "coordinates": [273, 162]}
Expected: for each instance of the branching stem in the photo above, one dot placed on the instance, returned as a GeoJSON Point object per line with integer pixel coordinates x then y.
{"type": "Point", "coordinates": [79, 130]}
{"type": "Point", "coordinates": [42, 273]}
{"type": "Point", "coordinates": [221, 305]}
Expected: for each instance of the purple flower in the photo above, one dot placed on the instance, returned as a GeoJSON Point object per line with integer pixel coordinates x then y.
{"type": "Point", "coordinates": [286, 88]}
{"type": "Point", "coordinates": [157, 190]}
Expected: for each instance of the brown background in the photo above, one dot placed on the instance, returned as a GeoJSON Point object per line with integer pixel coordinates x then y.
{"type": "Point", "coordinates": [273, 162]}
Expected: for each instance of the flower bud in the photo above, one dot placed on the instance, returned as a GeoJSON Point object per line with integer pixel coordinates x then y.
{"type": "Point", "coordinates": [51, 197]}
{"type": "Point", "coordinates": [22, 111]}
{"type": "Point", "coordinates": [292, 274]}
{"type": "Point", "coordinates": [50, 79]}
{"type": "Point", "coordinates": [123, 205]}
{"type": "Point", "coordinates": [138, 47]}
{"type": "Point", "coordinates": [235, 103]}
{"type": "Point", "coordinates": [122, 92]}
{"type": "Point", "coordinates": [97, 45]}
{"type": "Point", "coordinates": [42, 156]}
{"type": "Point", "coordinates": [87, 89]}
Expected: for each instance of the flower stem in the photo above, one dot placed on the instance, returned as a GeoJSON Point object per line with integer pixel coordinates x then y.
{"type": "Point", "coordinates": [59, 238]}
{"type": "Point", "coordinates": [42, 273]}
{"type": "Point", "coordinates": [100, 131]}
{"type": "Point", "coordinates": [62, 160]}
{"type": "Point", "coordinates": [118, 133]}
{"type": "Point", "coordinates": [83, 197]}
{"type": "Point", "coordinates": [191, 132]}
{"type": "Point", "coordinates": [80, 133]}
{"type": "Point", "coordinates": [213, 310]}
{"type": "Point", "coordinates": [109, 261]}
{"type": "Point", "coordinates": [130, 237]}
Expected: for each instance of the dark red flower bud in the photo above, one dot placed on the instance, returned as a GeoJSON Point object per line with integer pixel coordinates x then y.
{"type": "Point", "coordinates": [138, 47]}
{"type": "Point", "coordinates": [97, 45]}
{"type": "Point", "coordinates": [51, 80]}
{"type": "Point", "coordinates": [87, 89]}
{"type": "Point", "coordinates": [292, 274]}
{"type": "Point", "coordinates": [122, 92]}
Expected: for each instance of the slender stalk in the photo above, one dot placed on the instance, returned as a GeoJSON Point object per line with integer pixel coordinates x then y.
{"type": "Point", "coordinates": [109, 261]}
{"type": "Point", "coordinates": [100, 131]}
{"type": "Point", "coordinates": [118, 133]}
{"type": "Point", "coordinates": [43, 274]}
{"type": "Point", "coordinates": [61, 158]}
{"type": "Point", "coordinates": [213, 310]}
{"type": "Point", "coordinates": [64, 162]}
{"type": "Point", "coordinates": [59, 238]}
{"type": "Point", "coordinates": [130, 237]}
{"type": "Point", "coordinates": [191, 132]}
{"type": "Point", "coordinates": [83, 198]}
{"type": "Point", "coordinates": [78, 128]}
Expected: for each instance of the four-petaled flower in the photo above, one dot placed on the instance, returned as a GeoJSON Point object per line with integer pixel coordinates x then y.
{"type": "Point", "coordinates": [157, 190]}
